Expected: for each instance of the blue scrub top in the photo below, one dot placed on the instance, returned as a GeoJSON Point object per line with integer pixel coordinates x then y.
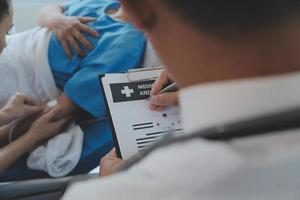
{"type": "Point", "coordinates": [120, 47]}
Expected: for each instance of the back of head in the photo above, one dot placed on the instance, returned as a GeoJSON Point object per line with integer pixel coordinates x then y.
{"type": "Point", "coordinates": [4, 9]}
{"type": "Point", "coordinates": [217, 40]}
{"type": "Point", "coordinates": [234, 16]}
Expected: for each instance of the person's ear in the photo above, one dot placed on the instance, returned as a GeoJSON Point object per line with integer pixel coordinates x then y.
{"type": "Point", "coordinates": [140, 12]}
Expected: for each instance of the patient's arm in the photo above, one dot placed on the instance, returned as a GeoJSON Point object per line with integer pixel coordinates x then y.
{"type": "Point", "coordinates": [68, 29]}
{"type": "Point", "coordinates": [67, 106]}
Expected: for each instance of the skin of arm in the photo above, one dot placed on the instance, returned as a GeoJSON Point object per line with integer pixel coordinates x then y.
{"type": "Point", "coordinates": [4, 118]}
{"type": "Point", "coordinates": [48, 125]}
{"type": "Point", "coordinates": [4, 132]}
{"type": "Point", "coordinates": [47, 17]}
{"type": "Point", "coordinates": [13, 151]}
{"type": "Point", "coordinates": [110, 164]}
{"type": "Point", "coordinates": [19, 106]}
{"type": "Point", "coordinates": [44, 128]}
{"type": "Point", "coordinates": [68, 107]}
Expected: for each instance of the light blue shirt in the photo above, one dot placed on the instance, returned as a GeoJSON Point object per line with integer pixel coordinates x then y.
{"type": "Point", "coordinates": [119, 48]}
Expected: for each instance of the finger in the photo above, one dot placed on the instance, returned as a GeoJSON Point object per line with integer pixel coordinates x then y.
{"type": "Point", "coordinates": [32, 102]}
{"type": "Point", "coordinates": [52, 113]}
{"type": "Point", "coordinates": [18, 95]}
{"type": "Point", "coordinates": [75, 45]}
{"type": "Point", "coordinates": [153, 107]}
{"type": "Point", "coordinates": [160, 83]}
{"type": "Point", "coordinates": [61, 123]}
{"type": "Point", "coordinates": [112, 153]}
{"type": "Point", "coordinates": [85, 20]}
{"type": "Point", "coordinates": [33, 109]}
{"type": "Point", "coordinates": [46, 110]}
{"type": "Point", "coordinates": [89, 30]}
{"type": "Point", "coordinates": [157, 108]}
{"type": "Point", "coordinates": [166, 99]}
{"type": "Point", "coordinates": [83, 40]}
{"type": "Point", "coordinates": [110, 163]}
{"type": "Point", "coordinates": [160, 108]}
{"type": "Point", "coordinates": [66, 47]}
{"type": "Point", "coordinates": [29, 101]}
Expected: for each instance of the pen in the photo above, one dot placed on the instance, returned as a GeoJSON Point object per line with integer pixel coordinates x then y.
{"type": "Point", "coordinates": [169, 88]}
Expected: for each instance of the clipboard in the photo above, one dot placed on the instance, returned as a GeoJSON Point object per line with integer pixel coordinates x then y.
{"type": "Point", "coordinates": [131, 78]}
{"type": "Point", "coordinates": [130, 73]}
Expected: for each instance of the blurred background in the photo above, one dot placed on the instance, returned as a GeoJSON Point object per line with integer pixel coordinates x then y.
{"type": "Point", "coordinates": [26, 12]}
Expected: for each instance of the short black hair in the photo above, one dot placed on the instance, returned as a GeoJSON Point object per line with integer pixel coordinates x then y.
{"type": "Point", "coordinates": [233, 16]}
{"type": "Point", "coordinates": [4, 9]}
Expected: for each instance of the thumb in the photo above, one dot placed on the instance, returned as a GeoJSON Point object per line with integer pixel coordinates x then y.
{"type": "Point", "coordinates": [112, 153]}
{"type": "Point", "coordinates": [85, 20]}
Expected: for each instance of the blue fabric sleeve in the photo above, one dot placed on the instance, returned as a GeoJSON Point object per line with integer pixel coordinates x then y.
{"type": "Point", "coordinates": [84, 87]}
{"type": "Point", "coordinates": [70, 3]}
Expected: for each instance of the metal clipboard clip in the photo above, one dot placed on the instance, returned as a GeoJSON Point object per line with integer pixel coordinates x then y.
{"type": "Point", "coordinates": [154, 72]}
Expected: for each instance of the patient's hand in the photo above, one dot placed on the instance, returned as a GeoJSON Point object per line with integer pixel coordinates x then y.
{"type": "Point", "coordinates": [69, 32]}
{"type": "Point", "coordinates": [110, 163]}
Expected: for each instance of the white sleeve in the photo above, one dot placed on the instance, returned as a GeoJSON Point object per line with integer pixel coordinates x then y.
{"type": "Point", "coordinates": [168, 173]}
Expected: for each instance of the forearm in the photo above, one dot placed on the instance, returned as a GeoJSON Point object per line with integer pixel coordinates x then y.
{"type": "Point", "coordinates": [68, 107]}
{"type": "Point", "coordinates": [4, 118]}
{"type": "Point", "coordinates": [49, 15]}
{"type": "Point", "coordinates": [4, 132]}
{"type": "Point", "coordinates": [12, 152]}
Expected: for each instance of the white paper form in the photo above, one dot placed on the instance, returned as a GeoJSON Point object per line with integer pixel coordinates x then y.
{"type": "Point", "coordinates": [135, 125]}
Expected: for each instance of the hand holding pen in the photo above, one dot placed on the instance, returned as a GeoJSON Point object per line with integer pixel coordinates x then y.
{"type": "Point", "coordinates": [163, 93]}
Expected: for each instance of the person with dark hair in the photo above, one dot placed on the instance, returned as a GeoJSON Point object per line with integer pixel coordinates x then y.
{"type": "Point", "coordinates": [61, 60]}
{"type": "Point", "coordinates": [4, 9]}
{"type": "Point", "coordinates": [45, 127]}
{"type": "Point", "coordinates": [6, 15]}
{"type": "Point", "coordinates": [20, 106]}
{"type": "Point", "coordinates": [238, 68]}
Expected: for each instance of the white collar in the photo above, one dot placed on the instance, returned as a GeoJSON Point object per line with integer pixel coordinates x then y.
{"type": "Point", "coordinates": [207, 105]}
